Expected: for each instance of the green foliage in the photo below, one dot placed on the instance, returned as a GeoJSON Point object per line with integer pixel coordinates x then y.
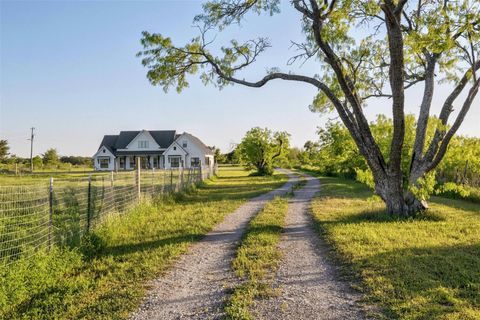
{"type": "Point", "coordinates": [260, 147]}
{"type": "Point", "coordinates": [104, 277]}
{"type": "Point", "coordinates": [4, 150]}
{"type": "Point", "coordinates": [50, 157]}
{"type": "Point", "coordinates": [257, 259]}
{"type": "Point", "coordinates": [335, 154]}
{"type": "Point", "coordinates": [37, 162]}
{"type": "Point", "coordinates": [422, 268]}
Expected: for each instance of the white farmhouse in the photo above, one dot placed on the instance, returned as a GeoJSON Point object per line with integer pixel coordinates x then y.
{"type": "Point", "coordinates": [162, 149]}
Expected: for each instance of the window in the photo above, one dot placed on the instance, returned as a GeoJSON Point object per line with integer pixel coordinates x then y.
{"type": "Point", "coordinates": [142, 144]}
{"type": "Point", "coordinates": [132, 162]}
{"type": "Point", "coordinates": [174, 161]}
{"type": "Point", "coordinates": [103, 150]}
{"type": "Point", "coordinates": [195, 162]}
{"type": "Point", "coordinates": [174, 148]}
{"type": "Point", "coordinates": [184, 143]}
{"type": "Point", "coordinates": [122, 162]}
{"type": "Point", "coordinates": [155, 162]}
{"type": "Point", "coordinates": [104, 162]}
{"type": "Point", "coordinates": [207, 161]}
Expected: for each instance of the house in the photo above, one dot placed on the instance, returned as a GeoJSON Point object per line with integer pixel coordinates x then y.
{"type": "Point", "coordinates": [159, 149]}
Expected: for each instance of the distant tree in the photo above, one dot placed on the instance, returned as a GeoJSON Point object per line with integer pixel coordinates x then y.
{"type": "Point", "coordinates": [76, 160]}
{"type": "Point", "coordinates": [50, 157]}
{"type": "Point", "coordinates": [4, 150]}
{"type": "Point", "coordinates": [260, 147]}
{"type": "Point", "coordinates": [362, 50]}
{"type": "Point", "coordinates": [37, 162]}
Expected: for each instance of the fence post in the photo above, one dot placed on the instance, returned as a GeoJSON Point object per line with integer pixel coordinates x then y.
{"type": "Point", "coordinates": [50, 213]}
{"type": "Point", "coordinates": [139, 189]}
{"type": "Point", "coordinates": [181, 179]}
{"type": "Point", "coordinates": [89, 202]}
{"type": "Point", "coordinates": [111, 179]}
{"type": "Point", "coordinates": [171, 180]}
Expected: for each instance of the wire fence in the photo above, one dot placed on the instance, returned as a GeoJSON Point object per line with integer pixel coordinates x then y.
{"type": "Point", "coordinates": [61, 211]}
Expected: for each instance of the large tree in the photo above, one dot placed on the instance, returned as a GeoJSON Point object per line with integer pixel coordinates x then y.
{"type": "Point", "coordinates": [50, 157]}
{"type": "Point", "coordinates": [402, 43]}
{"type": "Point", "coordinates": [261, 147]}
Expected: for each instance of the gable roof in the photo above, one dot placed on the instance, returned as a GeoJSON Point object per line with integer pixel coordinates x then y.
{"type": "Point", "coordinates": [164, 138]}
{"type": "Point", "coordinates": [202, 145]}
{"type": "Point", "coordinates": [109, 142]}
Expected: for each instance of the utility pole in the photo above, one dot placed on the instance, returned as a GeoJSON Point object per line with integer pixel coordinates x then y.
{"type": "Point", "coordinates": [32, 136]}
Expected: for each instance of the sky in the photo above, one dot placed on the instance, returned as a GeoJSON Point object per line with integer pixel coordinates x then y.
{"type": "Point", "coordinates": [68, 68]}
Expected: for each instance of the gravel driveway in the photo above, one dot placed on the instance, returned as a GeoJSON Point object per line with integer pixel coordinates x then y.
{"type": "Point", "coordinates": [195, 287]}
{"type": "Point", "coordinates": [308, 283]}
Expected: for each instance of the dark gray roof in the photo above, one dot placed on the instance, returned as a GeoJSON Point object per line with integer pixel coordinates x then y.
{"type": "Point", "coordinates": [164, 138]}
{"type": "Point", "coordinates": [109, 142]}
{"type": "Point", "coordinates": [124, 138]}
{"type": "Point", "coordinates": [126, 153]}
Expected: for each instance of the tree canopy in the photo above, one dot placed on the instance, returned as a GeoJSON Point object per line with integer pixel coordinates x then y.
{"type": "Point", "coordinates": [260, 147]}
{"type": "Point", "coordinates": [401, 44]}
{"type": "Point", "coordinates": [50, 157]}
{"type": "Point", "coordinates": [4, 150]}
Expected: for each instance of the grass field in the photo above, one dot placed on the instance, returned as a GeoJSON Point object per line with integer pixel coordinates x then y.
{"type": "Point", "coordinates": [423, 268]}
{"type": "Point", "coordinates": [257, 259]}
{"type": "Point", "coordinates": [103, 279]}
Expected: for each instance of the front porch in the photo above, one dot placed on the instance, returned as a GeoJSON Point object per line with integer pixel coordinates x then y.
{"type": "Point", "coordinates": [128, 162]}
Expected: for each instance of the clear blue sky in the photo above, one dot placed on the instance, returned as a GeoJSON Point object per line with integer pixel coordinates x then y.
{"type": "Point", "coordinates": [69, 69]}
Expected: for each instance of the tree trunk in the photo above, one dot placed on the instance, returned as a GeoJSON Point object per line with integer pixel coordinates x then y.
{"type": "Point", "coordinates": [397, 201]}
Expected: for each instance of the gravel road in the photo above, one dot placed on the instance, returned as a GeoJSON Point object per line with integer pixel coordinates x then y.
{"type": "Point", "coordinates": [308, 284]}
{"type": "Point", "coordinates": [195, 287]}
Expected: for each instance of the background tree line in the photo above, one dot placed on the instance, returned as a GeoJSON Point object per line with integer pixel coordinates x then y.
{"type": "Point", "coordinates": [50, 160]}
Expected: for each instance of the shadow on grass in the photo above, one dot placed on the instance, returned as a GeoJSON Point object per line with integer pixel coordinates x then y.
{"type": "Point", "coordinates": [427, 283]}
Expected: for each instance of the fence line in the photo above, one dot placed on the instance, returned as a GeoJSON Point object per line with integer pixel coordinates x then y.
{"type": "Point", "coordinates": [61, 211]}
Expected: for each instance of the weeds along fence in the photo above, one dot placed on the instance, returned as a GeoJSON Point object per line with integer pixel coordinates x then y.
{"type": "Point", "coordinates": [60, 211]}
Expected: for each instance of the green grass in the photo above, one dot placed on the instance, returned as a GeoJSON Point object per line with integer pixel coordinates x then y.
{"type": "Point", "coordinates": [422, 268]}
{"type": "Point", "coordinates": [105, 278]}
{"type": "Point", "coordinates": [257, 259]}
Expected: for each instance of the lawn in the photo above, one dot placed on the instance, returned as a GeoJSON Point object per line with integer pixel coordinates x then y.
{"type": "Point", "coordinates": [257, 258]}
{"type": "Point", "coordinates": [422, 268]}
{"type": "Point", "coordinates": [106, 277]}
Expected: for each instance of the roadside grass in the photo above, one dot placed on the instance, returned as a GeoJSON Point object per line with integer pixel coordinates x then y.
{"type": "Point", "coordinates": [422, 268]}
{"type": "Point", "coordinates": [105, 278]}
{"type": "Point", "coordinates": [257, 258]}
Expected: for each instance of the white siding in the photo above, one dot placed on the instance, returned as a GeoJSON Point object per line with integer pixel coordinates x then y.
{"type": "Point", "coordinates": [143, 136]}
{"type": "Point", "coordinates": [103, 154]}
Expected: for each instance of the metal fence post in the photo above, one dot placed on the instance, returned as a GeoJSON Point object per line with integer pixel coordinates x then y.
{"type": "Point", "coordinates": [139, 189]}
{"type": "Point", "coordinates": [50, 213]}
{"type": "Point", "coordinates": [181, 179]}
{"type": "Point", "coordinates": [89, 202]}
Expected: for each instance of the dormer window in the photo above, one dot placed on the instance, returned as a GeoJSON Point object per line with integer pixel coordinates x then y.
{"type": "Point", "coordinates": [184, 143]}
{"type": "Point", "coordinates": [142, 144]}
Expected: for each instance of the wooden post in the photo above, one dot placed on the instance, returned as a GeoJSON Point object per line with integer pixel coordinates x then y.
{"type": "Point", "coordinates": [50, 214]}
{"type": "Point", "coordinates": [111, 179]}
{"type": "Point", "coordinates": [89, 203]}
{"type": "Point", "coordinates": [181, 179]}
{"type": "Point", "coordinates": [139, 189]}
